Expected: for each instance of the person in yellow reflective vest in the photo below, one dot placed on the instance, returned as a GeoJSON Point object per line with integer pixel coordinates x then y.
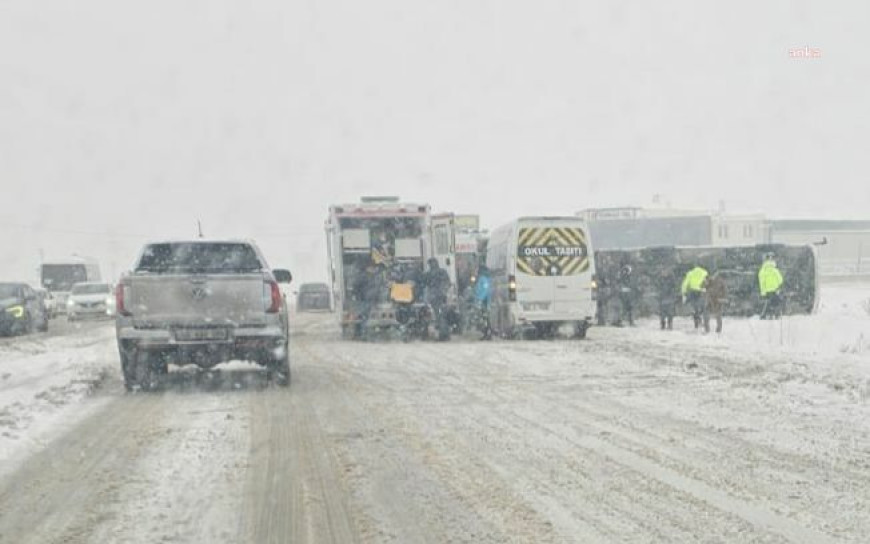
{"type": "Point", "coordinates": [769, 285]}
{"type": "Point", "coordinates": [693, 293]}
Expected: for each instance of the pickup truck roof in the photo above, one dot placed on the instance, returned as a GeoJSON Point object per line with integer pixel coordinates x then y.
{"type": "Point", "coordinates": [203, 241]}
{"type": "Point", "coordinates": [162, 257]}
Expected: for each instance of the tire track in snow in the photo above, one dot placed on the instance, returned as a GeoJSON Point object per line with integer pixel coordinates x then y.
{"type": "Point", "coordinates": [295, 489]}
{"type": "Point", "coordinates": [425, 494]}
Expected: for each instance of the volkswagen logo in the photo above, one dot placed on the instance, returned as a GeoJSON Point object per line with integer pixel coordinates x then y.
{"type": "Point", "coordinates": [198, 293]}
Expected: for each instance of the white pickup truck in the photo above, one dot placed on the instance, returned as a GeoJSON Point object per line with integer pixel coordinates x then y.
{"type": "Point", "coordinates": [203, 303]}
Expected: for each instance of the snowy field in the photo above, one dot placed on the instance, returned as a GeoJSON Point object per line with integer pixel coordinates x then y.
{"type": "Point", "coordinates": [760, 434]}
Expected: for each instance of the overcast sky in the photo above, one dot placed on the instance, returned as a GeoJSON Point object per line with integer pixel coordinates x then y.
{"type": "Point", "coordinates": [125, 121]}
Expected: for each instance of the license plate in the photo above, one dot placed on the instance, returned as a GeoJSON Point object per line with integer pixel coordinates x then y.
{"type": "Point", "coordinates": [200, 335]}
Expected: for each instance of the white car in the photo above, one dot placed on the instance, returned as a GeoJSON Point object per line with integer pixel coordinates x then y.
{"type": "Point", "coordinates": [93, 300]}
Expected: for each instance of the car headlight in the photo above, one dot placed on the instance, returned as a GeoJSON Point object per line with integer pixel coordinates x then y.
{"type": "Point", "coordinates": [70, 303]}
{"type": "Point", "coordinates": [16, 311]}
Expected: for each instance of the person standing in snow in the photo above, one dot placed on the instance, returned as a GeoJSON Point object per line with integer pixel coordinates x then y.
{"type": "Point", "coordinates": [482, 297]}
{"type": "Point", "coordinates": [602, 296]}
{"type": "Point", "coordinates": [769, 284]}
{"type": "Point", "coordinates": [437, 290]}
{"type": "Point", "coordinates": [437, 284]}
{"type": "Point", "coordinates": [370, 289]}
{"type": "Point", "coordinates": [666, 294]}
{"type": "Point", "coordinates": [693, 293]}
{"type": "Point", "coordinates": [625, 294]}
{"type": "Point", "coordinates": [717, 293]}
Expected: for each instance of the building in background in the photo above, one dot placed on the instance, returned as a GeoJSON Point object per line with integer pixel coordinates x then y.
{"type": "Point", "coordinates": [739, 230]}
{"type": "Point", "coordinates": [843, 247]}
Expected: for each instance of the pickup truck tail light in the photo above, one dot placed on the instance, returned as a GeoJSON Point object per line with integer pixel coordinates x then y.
{"type": "Point", "coordinates": [512, 288]}
{"type": "Point", "coordinates": [272, 297]}
{"type": "Point", "coordinates": [120, 303]}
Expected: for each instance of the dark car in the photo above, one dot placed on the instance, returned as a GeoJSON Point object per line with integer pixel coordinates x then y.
{"type": "Point", "coordinates": [22, 310]}
{"type": "Point", "coordinates": [313, 297]}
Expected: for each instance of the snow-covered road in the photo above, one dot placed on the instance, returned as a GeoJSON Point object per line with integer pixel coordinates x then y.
{"type": "Point", "coordinates": [761, 435]}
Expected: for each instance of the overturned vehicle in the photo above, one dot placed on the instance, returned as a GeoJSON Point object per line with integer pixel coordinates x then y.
{"type": "Point", "coordinates": [738, 266]}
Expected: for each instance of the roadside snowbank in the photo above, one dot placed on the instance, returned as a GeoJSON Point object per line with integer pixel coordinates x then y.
{"type": "Point", "coordinates": [841, 326]}
{"type": "Point", "coordinates": [42, 384]}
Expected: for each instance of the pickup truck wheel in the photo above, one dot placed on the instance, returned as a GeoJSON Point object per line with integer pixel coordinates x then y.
{"type": "Point", "coordinates": [143, 371]}
{"type": "Point", "coordinates": [279, 369]}
{"type": "Point", "coordinates": [126, 373]}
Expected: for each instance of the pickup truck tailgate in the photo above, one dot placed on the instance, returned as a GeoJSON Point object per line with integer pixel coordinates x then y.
{"type": "Point", "coordinates": [199, 300]}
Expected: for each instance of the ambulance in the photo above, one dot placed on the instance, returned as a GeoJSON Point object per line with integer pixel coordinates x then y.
{"type": "Point", "coordinates": [385, 231]}
{"type": "Point", "coordinates": [542, 273]}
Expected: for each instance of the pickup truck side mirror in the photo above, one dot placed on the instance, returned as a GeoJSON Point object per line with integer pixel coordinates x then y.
{"type": "Point", "coordinates": [282, 275]}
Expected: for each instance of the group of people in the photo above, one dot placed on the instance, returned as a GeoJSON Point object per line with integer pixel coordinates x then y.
{"type": "Point", "coordinates": [372, 282]}
{"type": "Point", "coordinates": [705, 293]}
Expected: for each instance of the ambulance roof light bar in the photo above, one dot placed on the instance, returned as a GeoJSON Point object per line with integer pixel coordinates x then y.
{"type": "Point", "coordinates": [379, 200]}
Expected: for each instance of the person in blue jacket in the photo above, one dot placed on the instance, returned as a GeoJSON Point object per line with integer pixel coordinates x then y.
{"type": "Point", "coordinates": [482, 297]}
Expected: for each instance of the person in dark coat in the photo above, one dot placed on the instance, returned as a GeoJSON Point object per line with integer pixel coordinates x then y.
{"type": "Point", "coordinates": [437, 291]}
{"type": "Point", "coordinates": [370, 288]}
{"type": "Point", "coordinates": [601, 299]}
{"type": "Point", "coordinates": [625, 291]}
{"type": "Point", "coordinates": [717, 294]}
{"type": "Point", "coordinates": [437, 283]}
{"type": "Point", "coordinates": [667, 294]}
